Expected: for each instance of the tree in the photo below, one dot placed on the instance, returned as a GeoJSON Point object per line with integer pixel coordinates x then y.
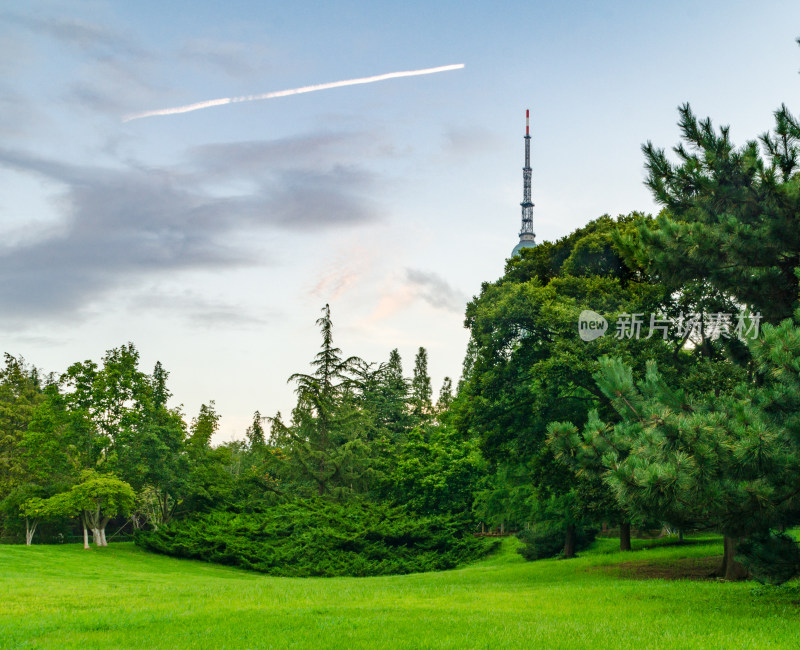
{"type": "Point", "coordinates": [529, 366]}
{"type": "Point", "coordinates": [421, 391]}
{"type": "Point", "coordinates": [96, 499]}
{"type": "Point", "coordinates": [445, 396]}
{"type": "Point", "coordinates": [24, 502]}
{"type": "Point", "coordinates": [20, 393]}
{"type": "Point", "coordinates": [388, 402]}
{"type": "Point", "coordinates": [327, 434]}
{"type": "Point", "coordinates": [730, 215]}
{"type": "Point", "coordinates": [255, 432]}
{"type": "Point", "coordinates": [729, 462]}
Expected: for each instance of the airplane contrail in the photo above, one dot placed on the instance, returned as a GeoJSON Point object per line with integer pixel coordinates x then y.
{"type": "Point", "coordinates": [292, 91]}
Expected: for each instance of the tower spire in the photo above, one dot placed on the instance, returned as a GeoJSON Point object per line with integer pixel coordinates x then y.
{"type": "Point", "coordinates": [527, 238]}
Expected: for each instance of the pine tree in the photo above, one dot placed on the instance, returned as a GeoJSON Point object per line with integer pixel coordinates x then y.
{"type": "Point", "coordinates": [729, 462]}
{"type": "Point", "coordinates": [730, 217]}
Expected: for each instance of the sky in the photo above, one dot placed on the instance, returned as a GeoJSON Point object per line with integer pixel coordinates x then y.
{"type": "Point", "coordinates": [212, 239]}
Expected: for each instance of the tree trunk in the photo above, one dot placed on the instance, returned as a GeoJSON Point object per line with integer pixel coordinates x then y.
{"type": "Point", "coordinates": [30, 529]}
{"type": "Point", "coordinates": [96, 537]}
{"type": "Point", "coordinates": [103, 525]}
{"type": "Point", "coordinates": [569, 542]}
{"type": "Point", "coordinates": [731, 569]}
{"type": "Point", "coordinates": [625, 536]}
{"type": "Point", "coordinates": [85, 536]}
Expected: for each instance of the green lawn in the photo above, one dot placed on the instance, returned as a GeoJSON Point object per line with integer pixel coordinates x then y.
{"type": "Point", "coordinates": [121, 597]}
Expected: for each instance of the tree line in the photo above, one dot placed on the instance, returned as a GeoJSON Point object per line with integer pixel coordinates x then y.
{"type": "Point", "coordinates": [100, 443]}
{"type": "Point", "coordinates": [684, 415]}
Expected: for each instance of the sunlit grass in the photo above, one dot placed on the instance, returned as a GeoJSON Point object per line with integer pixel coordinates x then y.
{"type": "Point", "coordinates": [120, 596]}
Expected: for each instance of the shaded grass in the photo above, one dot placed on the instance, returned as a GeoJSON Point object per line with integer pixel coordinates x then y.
{"type": "Point", "coordinates": [121, 596]}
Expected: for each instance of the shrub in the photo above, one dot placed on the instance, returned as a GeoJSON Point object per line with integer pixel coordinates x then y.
{"type": "Point", "coordinates": [319, 538]}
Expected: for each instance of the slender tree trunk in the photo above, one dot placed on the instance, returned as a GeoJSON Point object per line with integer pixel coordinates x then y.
{"type": "Point", "coordinates": [625, 536]}
{"type": "Point", "coordinates": [30, 529]}
{"type": "Point", "coordinates": [85, 534]}
{"type": "Point", "coordinates": [569, 542]}
{"type": "Point", "coordinates": [731, 569]}
{"type": "Point", "coordinates": [103, 525]}
{"type": "Point", "coordinates": [96, 537]}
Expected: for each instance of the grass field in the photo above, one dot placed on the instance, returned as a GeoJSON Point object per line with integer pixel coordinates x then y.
{"type": "Point", "coordinates": [122, 597]}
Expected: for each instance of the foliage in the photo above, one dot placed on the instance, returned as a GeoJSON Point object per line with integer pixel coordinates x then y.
{"type": "Point", "coordinates": [434, 470]}
{"type": "Point", "coordinates": [546, 539]}
{"type": "Point", "coordinates": [529, 367]}
{"type": "Point", "coordinates": [770, 557]}
{"type": "Point", "coordinates": [320, 538]}
{"type": "Point", "coordinates": [730, 216]}
{"type": "Point", "coordinates": [729, 461]}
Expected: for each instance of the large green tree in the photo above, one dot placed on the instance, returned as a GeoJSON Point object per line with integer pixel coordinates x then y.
{"type": "Point", "coordinates": [731, 213]}
{"type": "Point", "coordinates": [20, 393]}
{"type": "Point", "coordinates": [728, 461]}
{"type": "Point", "coordinates": [531, 367]}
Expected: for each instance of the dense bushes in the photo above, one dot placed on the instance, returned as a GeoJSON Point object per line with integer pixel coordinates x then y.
{"type": "Point", "coordinates": [319, 538]}
{"type": "Point", "coordinates": [547, 540]}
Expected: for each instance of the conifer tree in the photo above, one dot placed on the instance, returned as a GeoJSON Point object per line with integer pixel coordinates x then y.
{"type": "Point", "coordinates": [421, 391]}
{"type": "Point", "coordinates": [255, 432]}
{"type": "Point", "coordinates": [729, 462]}
{"type": "Point", "coordinates": [445, 396]}
{"type": "Point", "coordinates": [730, 216]}
{"type": "Point", "coordinates": [327, 431]}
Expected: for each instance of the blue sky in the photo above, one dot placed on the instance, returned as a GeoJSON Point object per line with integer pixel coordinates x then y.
{"type": "Point", "coordinates": [212, 239]}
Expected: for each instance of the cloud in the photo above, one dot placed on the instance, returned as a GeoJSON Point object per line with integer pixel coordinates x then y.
{"type": "Point", "coordinates": [122, 224]}
{"type": "Point", "coordinates": [436, 291]}
{"type": "Point", "coordinates": [198, 310]}
{"type": "Point", "coordinates": [81, 35]}
{"type": "Point", "coordinates": [234, 59]}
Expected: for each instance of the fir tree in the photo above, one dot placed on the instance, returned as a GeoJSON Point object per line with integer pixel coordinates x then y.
{"type": "Point", "coordinates": [421, 391]}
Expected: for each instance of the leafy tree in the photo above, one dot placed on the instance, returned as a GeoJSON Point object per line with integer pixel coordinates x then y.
{"type": "Point", "coordinates": [530, 367]}
{"type": "Point", "coordinates": [209, 481]}
{"type": "Point", "coordinates": [96, 499]}
{"type": "Point", "coordinates": [20, 393]}
{"type": "Point", "coordinates": [434, 470]}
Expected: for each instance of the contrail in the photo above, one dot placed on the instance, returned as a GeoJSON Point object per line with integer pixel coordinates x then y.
{"type": "Point", "coordinates": [292, 91]}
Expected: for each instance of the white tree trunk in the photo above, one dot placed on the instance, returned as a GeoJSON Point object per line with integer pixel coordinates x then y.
{"type": "Point", "coordinates": [103, 541]}
{"type": "Point", "coordinates": [30, 529]}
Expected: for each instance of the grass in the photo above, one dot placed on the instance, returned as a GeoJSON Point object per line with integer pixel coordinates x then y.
{"type": "Point", "coordinates": [123, 597]}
